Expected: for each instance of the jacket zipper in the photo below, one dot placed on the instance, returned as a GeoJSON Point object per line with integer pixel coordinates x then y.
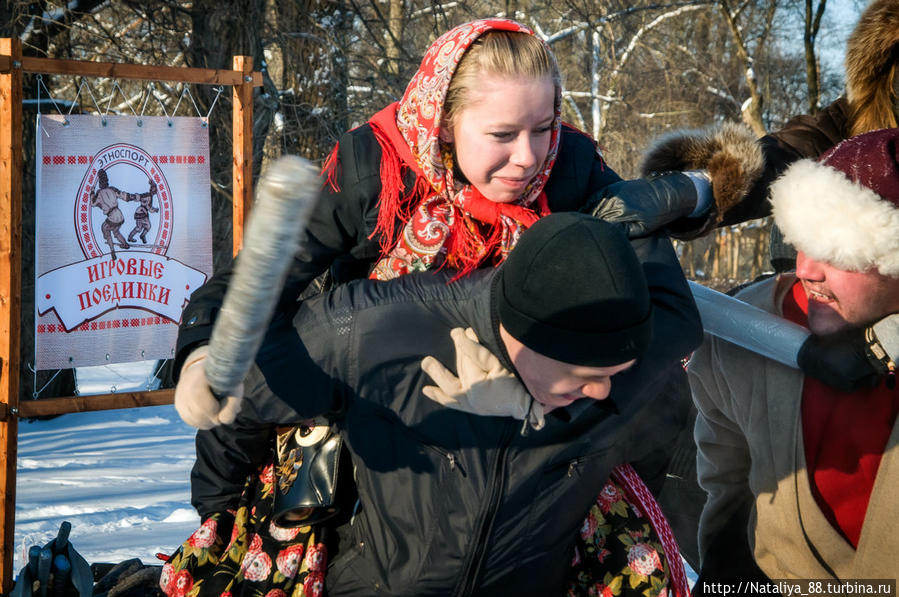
{"type": "Point", "coordinates": [472, 567]}
{"type": "Point", "coordinates": [446, 454]}
{"type": "Point", "coordinates": [450, 457]}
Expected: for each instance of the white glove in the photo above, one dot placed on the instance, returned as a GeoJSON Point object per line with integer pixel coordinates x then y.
{"type": "Point", "coordinates": [483, 387]}
{"type": "Point", "coordinates": [194, 400]}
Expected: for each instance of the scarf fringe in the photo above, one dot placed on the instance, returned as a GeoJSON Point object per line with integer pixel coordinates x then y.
{"type": "Point", "coordinates": [393, 203]}
{"type": "Point", "coordinates": [467, 248]}
{"type": "Point", "coordinates": [329, 171]}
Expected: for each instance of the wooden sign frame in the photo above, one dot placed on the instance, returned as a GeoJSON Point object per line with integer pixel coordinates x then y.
{"type": "Point", "coordinates": [13, 65]}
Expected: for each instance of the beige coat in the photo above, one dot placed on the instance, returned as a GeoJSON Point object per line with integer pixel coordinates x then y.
{"type": "Point", "coordinates": [749, 438]}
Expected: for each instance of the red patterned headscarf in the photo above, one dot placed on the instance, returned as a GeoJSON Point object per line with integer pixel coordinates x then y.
{"type": "Point", "coordinates": [444, 220]}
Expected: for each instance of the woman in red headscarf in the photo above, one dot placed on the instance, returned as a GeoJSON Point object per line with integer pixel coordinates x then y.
{"type": "Point", "coordinates": [449, 176]}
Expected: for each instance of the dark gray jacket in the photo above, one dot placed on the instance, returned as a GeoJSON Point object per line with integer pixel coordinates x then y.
{"type": "Point", "coordinates": [452, 503]}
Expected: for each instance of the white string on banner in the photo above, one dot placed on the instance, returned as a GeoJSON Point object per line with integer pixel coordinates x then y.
{"type": "Point", "coordinates": [149, 92]}
{"type": "Point", "coordinates": [218, 92]}
{"type": "Point", "coordinates": [35, 393]}
{"type": "Point", "coordinates": [127, 102]}
{"type": "Point", "coordinates": [40, 84]}
{"type": "Point", "coordinates": [143, 108]}
{"type": "Point", "coordinates": [178, 103]}
{"type": "Point", "coordinates": [84, 84]}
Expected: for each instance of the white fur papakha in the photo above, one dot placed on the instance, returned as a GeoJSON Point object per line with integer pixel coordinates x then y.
{"type": "Point", "coordinates": [833, 219]}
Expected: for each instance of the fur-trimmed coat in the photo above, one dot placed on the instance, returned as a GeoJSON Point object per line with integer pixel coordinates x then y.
{"type": "Point", "coordinates": [872, 69]}
{"type": "Point", "coordinates": [749, 435]}
{"type": "Point", "coordinates": [741, 166]}
{"type": "Point", "coordinates": [742, 169]}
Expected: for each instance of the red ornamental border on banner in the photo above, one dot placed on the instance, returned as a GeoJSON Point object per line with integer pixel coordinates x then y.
{"type": "Point", "coordinates": [69, 160]}
{"type": "Point", "coordinates": [58, 328]}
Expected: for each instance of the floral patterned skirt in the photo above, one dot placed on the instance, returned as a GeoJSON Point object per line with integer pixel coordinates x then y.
{"type": "Point", "coordinates": [244, 554]}
{"type": "Point", "coordinates": [618, 552]}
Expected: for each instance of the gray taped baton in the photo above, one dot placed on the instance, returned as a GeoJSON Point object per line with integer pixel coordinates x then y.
{"type": "Point", "coordinates": [748, 326]}
{"type": "Point", "coordinates": [285, 196]}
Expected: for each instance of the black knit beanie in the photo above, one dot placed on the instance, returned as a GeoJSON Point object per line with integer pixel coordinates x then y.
{"type": "Point", "coordinates": [573, 290]}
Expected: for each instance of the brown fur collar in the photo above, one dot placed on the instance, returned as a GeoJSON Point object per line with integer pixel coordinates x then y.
{"type": "Point", "coordinates": [872, 61]}
{"type": "Point", "coordinates": [730, 153]}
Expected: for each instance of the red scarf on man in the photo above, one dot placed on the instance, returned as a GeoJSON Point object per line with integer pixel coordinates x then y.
{"type": "Point", "coordinates": [844, 437]}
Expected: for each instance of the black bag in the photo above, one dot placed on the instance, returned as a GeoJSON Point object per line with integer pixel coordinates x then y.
{"type": "Point", "coordinates": [307, 462]}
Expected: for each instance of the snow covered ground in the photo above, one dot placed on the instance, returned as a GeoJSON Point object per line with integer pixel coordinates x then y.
{"type": "Point", "coordinates": [120, 477]}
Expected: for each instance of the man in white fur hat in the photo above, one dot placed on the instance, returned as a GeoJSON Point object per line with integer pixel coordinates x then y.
{"type": "Point", "coordinates": [808, 471]}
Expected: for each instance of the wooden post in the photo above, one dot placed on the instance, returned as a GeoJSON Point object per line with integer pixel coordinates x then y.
{"type": "Point", "coordinates": [242, 130]}
{"type": "Point", "coordinates": [10, 292]}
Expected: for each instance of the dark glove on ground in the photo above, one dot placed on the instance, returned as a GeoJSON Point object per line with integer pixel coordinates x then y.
{"type": "Point", "coordinates": [643, 206]}
{"type": "Point", "coordinates": [843, 360]}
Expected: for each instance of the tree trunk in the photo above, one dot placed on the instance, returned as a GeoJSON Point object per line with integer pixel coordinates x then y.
{"type": "Point", "coordinates": [753, 109]}
{"type": "Point", "coordinates": [394, 35]}
{"type": "Point", "coordinates": [313, 79]}
{"type": "Point", "coordinates": [220, 31]}
{"type": "Point", "coordinates": [812, 74]}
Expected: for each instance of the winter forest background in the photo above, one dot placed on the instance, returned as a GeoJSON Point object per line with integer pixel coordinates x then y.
{"type": "Point", "coordinates": [632, 70]}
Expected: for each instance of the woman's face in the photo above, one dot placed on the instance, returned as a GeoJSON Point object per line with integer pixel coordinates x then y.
{"type": "Point", "coordinates": [501, 137]}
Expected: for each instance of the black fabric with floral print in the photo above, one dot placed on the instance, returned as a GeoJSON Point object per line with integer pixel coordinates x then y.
{"type": "Point", "coordinates": [617, 553]}
{"type": "Point", "coordinates": [244, 554]}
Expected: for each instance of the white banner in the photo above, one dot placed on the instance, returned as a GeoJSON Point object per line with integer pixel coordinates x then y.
{"type": "Point", "coordinates": [124, 235]}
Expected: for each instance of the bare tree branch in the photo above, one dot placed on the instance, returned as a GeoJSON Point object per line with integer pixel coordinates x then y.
{"type": "Point", "coordinates": [49, 24]}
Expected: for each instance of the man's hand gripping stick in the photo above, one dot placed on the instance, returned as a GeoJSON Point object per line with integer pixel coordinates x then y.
{"type": "Point", "coordinates": [284, 199]}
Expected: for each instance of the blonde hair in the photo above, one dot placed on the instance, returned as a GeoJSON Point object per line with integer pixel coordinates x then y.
{"type": "Point", "coordinates": [504, 53]}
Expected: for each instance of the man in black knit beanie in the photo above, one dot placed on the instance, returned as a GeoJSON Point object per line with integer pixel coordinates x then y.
{"type": "Point", "coordinates": [450, 501]}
